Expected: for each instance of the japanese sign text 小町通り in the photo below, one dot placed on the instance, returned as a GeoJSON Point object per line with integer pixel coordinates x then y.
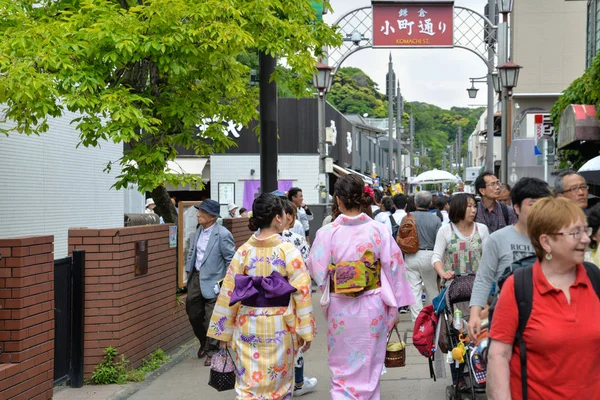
{"type": "Point", "coordinates": [410, 25]}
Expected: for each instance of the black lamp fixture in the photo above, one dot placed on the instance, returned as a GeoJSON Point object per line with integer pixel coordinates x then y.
{"type": "Point", "coordinates": [509, 75]}
{"type": "Point", "coordinates": [322, 78]}
{"type": "Point", "coordinates": [472, 90]}
{"type": "Point", "coordinates": [505, 6]}
{"type": "Point", "coordinates": [496, 82]}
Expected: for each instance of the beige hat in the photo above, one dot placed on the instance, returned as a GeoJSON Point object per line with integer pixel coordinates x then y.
{"type": "Point", "coordinates": [231, 207]}
{"type": "Point", "coordinates": [149, 202]}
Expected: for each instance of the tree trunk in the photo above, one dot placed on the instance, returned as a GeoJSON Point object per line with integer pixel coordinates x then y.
{"type": "Point", "coordinates": [164, 207]}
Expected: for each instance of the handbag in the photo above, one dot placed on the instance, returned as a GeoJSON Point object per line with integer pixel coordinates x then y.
{"type": "Point", "coordinates": [395, 352]}
{"type": "Point", "coordinates": [222, 371]}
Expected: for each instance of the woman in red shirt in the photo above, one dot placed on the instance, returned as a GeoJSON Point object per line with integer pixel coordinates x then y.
{"type": "Point", "coordinates": [563, 330]}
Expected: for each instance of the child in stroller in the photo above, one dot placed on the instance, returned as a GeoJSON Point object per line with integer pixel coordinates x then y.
{"type": "Point", "coordinates": [466, 357]}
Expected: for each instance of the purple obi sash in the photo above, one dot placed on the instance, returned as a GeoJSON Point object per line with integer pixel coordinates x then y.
{"type": "Point", "coordinates": [262, 291]}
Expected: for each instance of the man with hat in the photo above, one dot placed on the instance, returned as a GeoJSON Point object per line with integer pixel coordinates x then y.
{"type": "Point", "coordinates": [210, 254]}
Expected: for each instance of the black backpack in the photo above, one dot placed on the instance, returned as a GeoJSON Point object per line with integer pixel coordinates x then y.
{"type": "Point", "coordinates": [395, 227]}
{"type": "Point", "coordinates": [522, 263]}
{"type": "Point", "coordinates": [523, 272]}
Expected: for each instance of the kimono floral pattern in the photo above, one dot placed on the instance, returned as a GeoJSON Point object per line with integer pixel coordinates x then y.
{"type": "Point", "coordinates": [357, 326]}
{"type": "Point", "coordinates": [298, 241]}
{"type": "Point", "coordinates": [265, 339]}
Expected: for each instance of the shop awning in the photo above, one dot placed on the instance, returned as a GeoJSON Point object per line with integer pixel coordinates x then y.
{"type": "Point", "coordinates": [343, 171]}
{"type": "Point", "coordinates": [189, 165]}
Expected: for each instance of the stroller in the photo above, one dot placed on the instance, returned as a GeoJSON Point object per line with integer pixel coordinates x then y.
{"type": "Point", "coordinates": [466, 358]}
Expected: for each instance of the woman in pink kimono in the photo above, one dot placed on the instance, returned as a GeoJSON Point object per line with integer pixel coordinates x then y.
{"type": "Point", "coordinates": [361, 272]}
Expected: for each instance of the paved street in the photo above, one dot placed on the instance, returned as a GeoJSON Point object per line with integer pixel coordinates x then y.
{"type": "Point", "coordinates": [188, 379]}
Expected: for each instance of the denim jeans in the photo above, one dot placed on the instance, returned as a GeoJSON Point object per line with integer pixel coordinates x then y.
{"type": "Point", "coordinates": [299, 370]}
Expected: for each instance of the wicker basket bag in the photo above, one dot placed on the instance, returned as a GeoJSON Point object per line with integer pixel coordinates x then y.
{"type": "Point", "coordinates": [395, 353]}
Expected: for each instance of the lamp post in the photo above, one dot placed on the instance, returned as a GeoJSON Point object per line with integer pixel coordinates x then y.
{"type": "Point", "coordinates": [505, 6]}
{"type": "Point", "coordinates": [509, 75]}
{"type": "Point", "coordinates": [322, 81]}
{"type": "Point", "coordinates": [472, 91]}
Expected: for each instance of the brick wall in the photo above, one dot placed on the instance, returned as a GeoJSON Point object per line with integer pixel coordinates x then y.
{"type": "Point", "coordinates": [27, 318]}
{"type": "Point", "coordinates": [239, 229]}
{"type": "Point", "coordinates": [137, 315]}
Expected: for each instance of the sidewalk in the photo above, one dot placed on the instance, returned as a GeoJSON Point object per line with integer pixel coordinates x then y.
{"type": "Point", "coordinates": [186, 377]}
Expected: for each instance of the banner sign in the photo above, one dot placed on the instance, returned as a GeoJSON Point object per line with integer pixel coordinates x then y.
{"type": "Point", "coordinates": [411, 24]}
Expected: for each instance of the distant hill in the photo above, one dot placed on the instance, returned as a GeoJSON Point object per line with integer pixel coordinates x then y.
{"type": "Point", "coordinates": [354, 92]}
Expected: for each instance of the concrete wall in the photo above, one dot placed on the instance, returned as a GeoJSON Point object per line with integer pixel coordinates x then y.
{"type": "Point", "coordinates": [549, 39]}
{"type": "Point", "coordinates": [137, 315]}
{"type": "Point", "coordinates": [50, 185]}
{"type": "Point", "coordinates": [27, 318]}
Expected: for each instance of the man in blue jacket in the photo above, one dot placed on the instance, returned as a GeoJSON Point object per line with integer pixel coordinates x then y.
{"type": "Point", "coordinates": [210, 255]}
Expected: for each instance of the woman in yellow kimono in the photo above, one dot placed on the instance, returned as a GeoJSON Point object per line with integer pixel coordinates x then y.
{"type": "Point", "coordinates": [265, 307]}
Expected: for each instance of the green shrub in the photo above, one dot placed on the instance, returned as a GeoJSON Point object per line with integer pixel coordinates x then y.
{"type": "Point", "coordinates": [113, 369]}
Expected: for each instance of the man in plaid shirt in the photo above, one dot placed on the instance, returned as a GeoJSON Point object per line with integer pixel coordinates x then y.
{"type": "Point", "coordinates": [490, 211]}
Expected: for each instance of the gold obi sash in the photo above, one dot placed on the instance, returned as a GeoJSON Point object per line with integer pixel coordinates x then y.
{"type": "Point", "coordinates": [351, 278]}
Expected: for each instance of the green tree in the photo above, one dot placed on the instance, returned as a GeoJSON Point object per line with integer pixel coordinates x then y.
{"type": "Point", "coordinates": [354, 92]}
{"type": "Point", "coordinates": [147, 73]}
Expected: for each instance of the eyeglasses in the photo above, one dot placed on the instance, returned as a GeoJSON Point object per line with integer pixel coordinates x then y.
{"type": "Point", "coordinates": [493, 184]}
{"type": "Point", "coordinates": [583, 188]}
{"type": "Point", "coordinates": [577, 234]}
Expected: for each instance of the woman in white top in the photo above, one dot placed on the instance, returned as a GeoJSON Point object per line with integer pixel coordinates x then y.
{"type": "Point", "coordinates": [384, 216]}
{"type": "Point", "coordinates": [459, 244]}
{"type": "Point", "coordinates": [299, 241]}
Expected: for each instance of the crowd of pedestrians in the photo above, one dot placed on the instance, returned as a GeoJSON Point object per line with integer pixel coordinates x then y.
{"type": "Point", "coordinates": [366, 276]}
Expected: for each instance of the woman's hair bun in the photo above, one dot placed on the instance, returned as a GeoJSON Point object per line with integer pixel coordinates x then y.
{"type": "Point", "coordinates": [366, 200]}
{"type": "Point", "coordinates": [252, 224]}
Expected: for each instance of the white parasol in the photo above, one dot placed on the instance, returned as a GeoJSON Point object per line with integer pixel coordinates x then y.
{"type": "Point", "coordinates": [435, 176]}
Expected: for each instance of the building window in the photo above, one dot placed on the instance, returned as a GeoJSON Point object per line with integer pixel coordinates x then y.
{"type": "Point", "coordinates": [593, 30]}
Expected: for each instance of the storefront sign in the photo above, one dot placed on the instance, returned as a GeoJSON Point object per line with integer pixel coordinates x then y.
{"type": "Point", "coordinates": [410, 24]}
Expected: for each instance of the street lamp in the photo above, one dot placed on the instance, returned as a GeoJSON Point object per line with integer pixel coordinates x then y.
{"type": "Point", "coordinates": [497, 83]}
{"type": "Point", "coordinates": [505, 6]}
{"type": "Point", "coordinates": [509, 75]}
{"type": "Point", "coordinates": [322, 78]}
{"type": "Point", "coordinates": [322, 81]}
{"type": "Point", "coordinates": [472, 90]}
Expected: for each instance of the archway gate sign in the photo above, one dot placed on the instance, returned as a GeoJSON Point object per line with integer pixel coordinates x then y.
{"type": "Point", "coordinates": [403, 24]}
{"type": "Point", "coordinates": [415, 24]}
{"type": "Point", "coordinates": [397, 24]}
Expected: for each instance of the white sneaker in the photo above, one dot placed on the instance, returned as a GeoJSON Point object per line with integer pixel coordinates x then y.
{"type": "Point", "coordinates": [309, 385]}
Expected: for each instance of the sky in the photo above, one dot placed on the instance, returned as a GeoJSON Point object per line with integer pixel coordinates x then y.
{"type": "Point", "coordinates": [435, 76]}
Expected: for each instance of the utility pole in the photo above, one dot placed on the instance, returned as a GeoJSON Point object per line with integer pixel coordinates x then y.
{"type": "Point", "coordinates": [459, 149]}
{"type": "Point", "coordinates": [489, 153]}
{"type": "Point", "coordinates": [390, 86]}
{"type": "Point", "coordinates": [444, 160]}
{"type": "Point", "coordinates": [268, 123]}
{"type": "Point", "coordinates": [399, 112]}
{"type": "Point", "coordinates": [412, 142]}
{"type": "Point", "coordinates": [503, 57]}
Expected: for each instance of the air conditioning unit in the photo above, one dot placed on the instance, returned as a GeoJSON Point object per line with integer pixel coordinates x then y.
{"type": "Point", "coordinates": [471, 173]}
